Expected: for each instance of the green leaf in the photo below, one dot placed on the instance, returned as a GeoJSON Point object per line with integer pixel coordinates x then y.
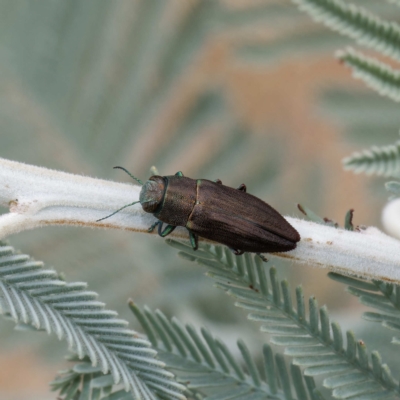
{"type": "Point", "coordinates": [355, 22]}
{"type": "Point", "coordinates": [313, 342]}
{"type": "Point", "coordinates": [36, 296]}
{"type": "Point", "coordinates": [377, 75]}
{"type": "Point", "coordinates": [217, 374]}
{"type": "Point", "coordinates": [383, 161]}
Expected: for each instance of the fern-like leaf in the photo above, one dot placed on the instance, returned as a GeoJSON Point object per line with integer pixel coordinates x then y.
{"type": "Point", "coordinates": [383, 297]}
{"type": "Point", "coordinates": [85, 382]}
{"type": "Point", "coordinates": [202, 363]}
{"type": "Point", "coordinates": [355, 22]}
{"type": "Point", "coordinates": [206, 365]}
{"type": "Point", "coordinates": [384, 161]}
{"type": "Point", "coordinates": [313, 342]}
{"type": "Point", "coordinates": [36, 296]}
{"type": "Point", "coordinates": [377, 75]}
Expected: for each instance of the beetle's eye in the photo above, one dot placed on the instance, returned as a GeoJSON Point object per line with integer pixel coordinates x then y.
{"type": "Point", "coordinates": [152, 194]}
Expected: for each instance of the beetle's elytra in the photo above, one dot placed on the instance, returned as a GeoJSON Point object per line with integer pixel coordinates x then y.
{"type": "Point", "coordinates": [217, 212]}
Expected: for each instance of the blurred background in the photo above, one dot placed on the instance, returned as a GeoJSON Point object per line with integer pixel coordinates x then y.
{"type": "Point", "coordinates": [247, 91]}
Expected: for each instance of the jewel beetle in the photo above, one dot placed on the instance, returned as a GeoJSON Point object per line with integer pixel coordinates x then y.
{"type": "Point", "coordinates": [216, 212]}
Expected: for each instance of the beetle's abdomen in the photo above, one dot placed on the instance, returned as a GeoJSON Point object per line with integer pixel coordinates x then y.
{"type": "Point", "coordinates": [179, 200]}
{"type": "Point", "coordinates": [239, 220]}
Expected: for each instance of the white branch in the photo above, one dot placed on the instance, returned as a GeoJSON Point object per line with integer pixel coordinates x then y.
{"type": "Point", "coordinates": [39, 196]}
{"type": "Point", "coordinates": [367, 253]}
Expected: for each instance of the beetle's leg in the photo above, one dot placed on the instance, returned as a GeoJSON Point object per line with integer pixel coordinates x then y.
{"type": "Point", "coordinates": [166, 231]}
{"type": "Point", "coordinates": [242, 188]}
{"type": "Point", "coordinates": [151, 229]}
{"type": "Point", "coordinates": [179, 173]}
{"type": "Point", "coordinates": [236, 252]}
{"type": "Point", "coordinates": [262, 257]}
{"type": "Point", "coordinates": [194, 240]}
{"type": "Point", "coordinates": [218, 181]}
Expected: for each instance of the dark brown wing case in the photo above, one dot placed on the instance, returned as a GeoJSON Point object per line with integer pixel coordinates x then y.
{"type": "Point", "coordinates": [239, 220]}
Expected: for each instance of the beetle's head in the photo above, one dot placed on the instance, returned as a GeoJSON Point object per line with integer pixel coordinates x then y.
{"type": "Point", "coordinates": [152, 193]}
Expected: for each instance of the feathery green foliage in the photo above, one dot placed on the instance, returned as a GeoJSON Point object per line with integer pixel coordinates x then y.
{"type": "Point", "coordinates": [380, 35]}
{"type": "Point", "coordinates": [313, 342]}
{"type": "Point", "coordinates": [376, 74]}
{"type": "Point", "coordinates": [130, 85]}
{"type": "Point", "coordinates": [85, 382]}
{"type": "Point", "coordinates": [382, 296]}
{"type": "Point", "coordinates": [355, 22]}
{"type": "Point", "coordinates": [295, 37]}
{"type": "Point", "coordinates": [203, 364]}
{"type": "Point", "coordinates": [383, 161]}
{"type": "Point", "coordinates": [36, 296]}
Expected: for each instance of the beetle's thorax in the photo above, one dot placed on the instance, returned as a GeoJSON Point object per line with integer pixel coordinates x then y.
{"type": "Point", "coordinates": [179, 200]}
{"type": "Point", "coordinates": [152, 193]}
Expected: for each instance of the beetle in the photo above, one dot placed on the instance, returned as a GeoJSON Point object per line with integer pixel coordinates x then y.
{"type": "Point", "coordinates": [216, 212]}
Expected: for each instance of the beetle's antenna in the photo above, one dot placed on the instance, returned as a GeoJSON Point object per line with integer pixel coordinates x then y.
{"type": "Point", "coordinates": [133, 177]}
{"type": "Point", "coordinates": [108, 216]}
